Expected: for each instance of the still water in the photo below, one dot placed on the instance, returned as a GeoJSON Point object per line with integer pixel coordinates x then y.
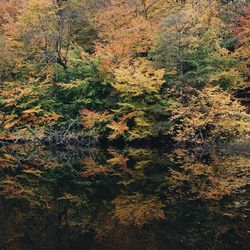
{"type": "Point", "coordinates": [130, 198]}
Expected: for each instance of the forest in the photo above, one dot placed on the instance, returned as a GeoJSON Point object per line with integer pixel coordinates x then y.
{"type": "Point", "coordinates": [124, 70]}
{"type": "Point", "coordinates": [124, 124]}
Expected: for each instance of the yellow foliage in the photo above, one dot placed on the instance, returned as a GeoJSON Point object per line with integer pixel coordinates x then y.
{"type": "Point", "coordinates": [34, 110]}
{"type": "Point", "coordinates": [138, 79]}
{"type": "Point", "coordinates": [143, 128]}
{"type": "Point", "coordinates": [71, 85]}
{"type": "Point", "coordinates": [137, 209]}
{"type": "Point", "coordinates": [10, 121]}
{"type": "Point", "coordinates": [209, 115]}
{"type": "Point", "coordinates": [119, 160]}
{"type": "Point", "coordinates": [118, 129]}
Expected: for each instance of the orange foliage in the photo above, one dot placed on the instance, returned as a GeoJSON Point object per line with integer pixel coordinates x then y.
{"type": "Point", "coordinates": [119, 160]}
{"type": "Point", "coordinates": [120, 126]}
{"type": "Point", "coordinates": [124, 33]}
{"type": "Point", "coordinates": [91, 118]}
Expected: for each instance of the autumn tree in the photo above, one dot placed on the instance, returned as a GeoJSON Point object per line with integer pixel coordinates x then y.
{"type": "Point", "coordinates": [126, 29]}
{"type": "Point", "coordinates": [209, 116]}
{"type": "Point", "coordinates": [49, 29]}
{"type": "Point", "coordinates": [9, 11]}
{"type": "Point", "coordinates": [241, 52]}
{"type": "Point", "coordinates": [190, 47]}
{"type": "Point", "coordinates": [44, 43]}
{"type": "Point", "coordinates": [25, 110]}
{"type": "Point", "coordinates": [139, 87]}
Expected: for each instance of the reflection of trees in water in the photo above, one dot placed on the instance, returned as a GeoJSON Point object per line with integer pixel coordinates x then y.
{"type": "Point", "coordinates": [121, 199]}
{"type": "Point", "coordinates": [212, 178]}
{"type": "Point", "coordinates": [207, 200]}
{"type": "Point", "coordinates": [138, 210]}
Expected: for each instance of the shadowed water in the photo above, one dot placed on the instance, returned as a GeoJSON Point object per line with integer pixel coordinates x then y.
{"type": "Point", "coordinates": [131, 198]}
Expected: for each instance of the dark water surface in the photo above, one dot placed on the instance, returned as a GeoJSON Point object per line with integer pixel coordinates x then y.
{"type": "Point", "coordinates": [131, 198]}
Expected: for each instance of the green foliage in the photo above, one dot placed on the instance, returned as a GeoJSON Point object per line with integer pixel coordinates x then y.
{"type": "Point", "coordinates": [82, 85]}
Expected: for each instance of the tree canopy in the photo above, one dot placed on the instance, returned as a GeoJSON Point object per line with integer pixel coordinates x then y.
{"type": "Point", "coordinates": [134, 69]}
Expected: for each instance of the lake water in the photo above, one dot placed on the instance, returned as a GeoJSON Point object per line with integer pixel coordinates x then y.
{"type": "Point", "coordinates": [130, 198]}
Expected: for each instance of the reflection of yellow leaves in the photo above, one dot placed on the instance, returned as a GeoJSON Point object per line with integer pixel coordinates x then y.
{"type": "Point", "coordinates": [142, 164]}
{"type": "Point", "coordinates": [33, 171]}
{"type": "Point", "coordinates": [223, 176]}
{"type": "Point", "coordinates": [92, 168]}
{"type": "Point", "coordinates": [137, 209]}
{"type": "Point", "coordinates": [98, 170]}
{"type": "Point", "coordinates": [140, 152]}
{"type": "Point", "coordinates": [7, 161]}
{"type": "Point", "coordinates": [13, 189]}
{"type": "Point", "coordinates": [89, 161]}
{"type": "Point", "coordinates": [70, 197]}
{"type": "Point", "coordinates": [119, 160]}
{"type": "Point", "coordinates": [32, 154]}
